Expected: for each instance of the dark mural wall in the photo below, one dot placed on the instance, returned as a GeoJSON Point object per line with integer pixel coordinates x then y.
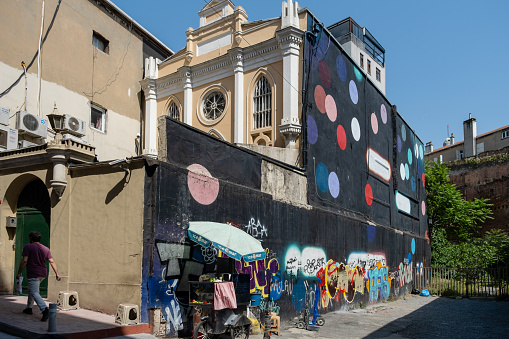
{"type": "Point", "coordinates": [313, 254]}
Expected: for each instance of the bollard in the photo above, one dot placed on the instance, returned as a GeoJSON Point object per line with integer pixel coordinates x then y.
{"type": "Point", "coordinates": [52, 323]}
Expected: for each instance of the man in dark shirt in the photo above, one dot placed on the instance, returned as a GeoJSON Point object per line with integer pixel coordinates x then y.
{"type": "Point", "coordinates": [35, 256]}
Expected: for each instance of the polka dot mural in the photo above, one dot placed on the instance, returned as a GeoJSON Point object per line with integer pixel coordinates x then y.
{"type": "Point", "coordinates": [410, 158]}
{"type": "Point", "coordinates": [354, 96]}
{"type": "Point", "coordinates": [413, 246]}
{"type": "Point", "coordinates": [320, 98]}
{"type": "Point", "coordinates": [323, 71]}
{"type": "Point", "coordinates": [399, 143]}
{"type": "Point", "coordinates": [312, 131]}
{"type": "Point", "coordinates": [374, 123]}
{"type": "Point", "coordinates": [203, 187]}
{"type": "Point", "coordinates": [403, 132]}
{"type": "Point", "coordinates": [368, 194]}
{"type": "Point", "coordinates": [341, 136]}
{"type": "Point", "coordinates": [358, 74]}
{"type": "Point", "coordinates": [414, 186]}
{"type": "Point", "coordinates": [383, 113]}
{"type": "Point", "coordinates": [330, 108]}
{"type": "Point", "coordinates": [356, 129]}
{"type": "Point", "coordinates": [341, 68]}
{"type": "Point", "coordinates": [333, 184]}
{"type": "Point", "coordinates": [402, 171]}
{"type": "Point", "coordinates": [322, 177]}
{"type": "Point", "coordinates": [371, 232]}
{"type": "Point", "coordinates": [423, 208]}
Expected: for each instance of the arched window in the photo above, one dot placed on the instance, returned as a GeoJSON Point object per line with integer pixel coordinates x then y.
{"type": "Point", "coordinates": [173, 111]}
{"type": "Point", "coordinates": [262, 104]}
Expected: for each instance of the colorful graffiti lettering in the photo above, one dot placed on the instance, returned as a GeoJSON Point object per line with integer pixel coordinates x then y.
{"type": "Point", "coordinates": [270, 304]}
{"type": "Point", "coordinates": [256, 229]}
{"type": "Point", "coordinates": [405, 273]}
{"type": "Point", "coordinates": [307, 262]}
{"type": "Point", "coordinates": [261, 274]}
{"type": "Point", "coordinates": [378, 282]}
{"type": "Point", "coordinates": [173, 318]}
{"type": "Point", "coordinates": [366, 261]}
{"type": "Point", "coordinates": [342, 281]}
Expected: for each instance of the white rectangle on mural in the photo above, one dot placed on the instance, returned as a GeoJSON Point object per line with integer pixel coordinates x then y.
{"type": "Point", "coordinates": [378, 165]}
{"type": "Point", "coordinates": [402, 203]}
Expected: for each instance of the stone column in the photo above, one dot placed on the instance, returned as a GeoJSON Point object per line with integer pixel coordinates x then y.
{"type": "Point", "coordinates": [238, 70]}
{"type": "Point", "coordinates": [188, 96]}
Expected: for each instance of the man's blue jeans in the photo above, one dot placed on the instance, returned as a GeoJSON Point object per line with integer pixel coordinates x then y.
{"type": "Point", "coordinates": [33, 293]}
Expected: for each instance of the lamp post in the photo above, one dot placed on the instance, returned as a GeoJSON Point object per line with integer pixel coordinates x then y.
{"type": "Point", "coordinates": [57, 152]}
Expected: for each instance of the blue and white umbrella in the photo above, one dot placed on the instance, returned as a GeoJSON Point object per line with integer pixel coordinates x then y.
{"type": "Point", "coordinates": [232, 241]}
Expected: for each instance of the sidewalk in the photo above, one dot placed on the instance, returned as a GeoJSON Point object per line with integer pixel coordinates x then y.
{"type": "Point", "coordinates": [72, 324]}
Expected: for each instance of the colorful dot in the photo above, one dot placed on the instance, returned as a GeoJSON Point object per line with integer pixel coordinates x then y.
{"type": "Point", "coordinates": [358, 74]}
{"type": "Point", "coordinates": [400, 144]}
{"type": "Point", "coordinates": [341, 136]}
{"type": "Point", "coordinates": [407, 172]}
{"type": "Point", "coordinates": [413, 246]}
{"type": "Point", "coordinates": [383, 113]}
{"type": "Point", "coordinates": [333, 184]}
{"type": "Point", "coordinates": [402, 171]}
{"type": "Point", "coordinates": [356, 129]}
{"type": "Point", "coordinates": [423, 180]}
{"type": "Point", "coordinates": [423, 208]}
{"type": "Point", "coordinates": [322, 177]}
{"type": "Point", "coordinates": [403, 132]}
{"type": "Point", "coordinates": [413, 183]}
{"type": "Point", "coordinates": [421, 152]}
{"type": "Point", "coordinates": [353, 92]}
{"type": "Point", "coordinates": [312, 130]}
{"type": "Point", "coordinates": [323, 71]}
{"type": "Point", "coordinates": [416, 151]}
{"type": "Point", "coordinates": [341, 67]}
{"type": "Point", "coordinates": [374, 123]}
{"type": "Point", "coordinates": [368, 192]}
{"type": "Point", "coordinates": [320, 98]}
{"type": "Point", "coordinates": [330, 107]}
{"type": "Point", "coordinates": [410, 158]}
{"type": "Point", "coordinates": [371, 232]}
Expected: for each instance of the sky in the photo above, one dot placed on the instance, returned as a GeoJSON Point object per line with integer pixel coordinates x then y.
{"type": "Point", "coordinates": [444, 59]}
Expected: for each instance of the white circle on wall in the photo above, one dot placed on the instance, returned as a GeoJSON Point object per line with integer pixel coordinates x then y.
{"type": "Point", "coordinates": [356, 129]}
{"type": "Point", "coordinates": [416, 151]}
{"type": "Point", "coordinates": [402, 171]}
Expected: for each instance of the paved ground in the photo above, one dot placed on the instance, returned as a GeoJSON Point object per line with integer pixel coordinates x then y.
{"type": "Point", "coordinates": [411, 317]}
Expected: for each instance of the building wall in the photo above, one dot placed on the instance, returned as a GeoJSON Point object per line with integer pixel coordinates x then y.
{"type": "Point", "coordinates": [95, 230]}
{"type": "Point", "coordinates": [74, 72]}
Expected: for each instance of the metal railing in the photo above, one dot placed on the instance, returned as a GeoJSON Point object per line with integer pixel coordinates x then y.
{"type": "Point", "coordinates": [467, 282]}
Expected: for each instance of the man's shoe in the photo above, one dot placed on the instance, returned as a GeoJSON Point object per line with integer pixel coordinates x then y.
{"type": "Point", "coordinates": [28, 311]}
{"type": "Point", "coordinates": [45, 314]}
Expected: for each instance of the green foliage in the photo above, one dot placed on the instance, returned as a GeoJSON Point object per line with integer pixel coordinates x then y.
{"type": "Point", "coordinates": [460, 218]}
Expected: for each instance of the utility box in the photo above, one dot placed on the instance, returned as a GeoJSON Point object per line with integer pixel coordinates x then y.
{"type": "Point", "coordinates": [11, 222]}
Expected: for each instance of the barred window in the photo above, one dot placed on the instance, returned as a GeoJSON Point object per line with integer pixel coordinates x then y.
{"type": "Point", "coordinates": [173, 111]}
{"type": "Point", "coordinates": [262, 104]}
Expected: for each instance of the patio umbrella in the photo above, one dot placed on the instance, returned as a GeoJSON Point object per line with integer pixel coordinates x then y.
{"type": "Point", "coordinates": [232, 241]}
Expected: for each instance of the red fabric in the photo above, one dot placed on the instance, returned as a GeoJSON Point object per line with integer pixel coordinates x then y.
{"type": "Point", "coordinates": [224, 296]}
{"type": "Point", "coordinates": [37, 256]}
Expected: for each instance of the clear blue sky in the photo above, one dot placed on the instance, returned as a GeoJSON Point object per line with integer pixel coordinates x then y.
{"type": "Point", "coordinates": [444, 59]}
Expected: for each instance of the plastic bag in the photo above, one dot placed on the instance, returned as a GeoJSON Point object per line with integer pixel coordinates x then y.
{"type": "Point", "coordinates": [424, 293]}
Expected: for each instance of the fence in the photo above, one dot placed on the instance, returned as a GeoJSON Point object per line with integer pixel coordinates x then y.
{"type": "Point", "coordinates": [469, 282]}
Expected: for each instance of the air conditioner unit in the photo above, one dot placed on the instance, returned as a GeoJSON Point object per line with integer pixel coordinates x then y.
{"type": "Point", "coordinates": [8, 138]}
{"type": "Point", "coordinates": [27, 123]}
{"type": "Point", "coordinates": [4, 116]}
{"type": "Point", "coordinates": [74, 125]}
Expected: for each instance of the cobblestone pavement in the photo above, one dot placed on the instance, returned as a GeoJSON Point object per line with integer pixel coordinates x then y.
{"type": "Point", "coordinates": [413, 317]}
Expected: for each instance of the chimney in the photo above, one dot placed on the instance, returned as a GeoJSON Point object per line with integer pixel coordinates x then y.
{"type": "Point", "coordinates": [428, 148]}
{"type": "Point", "coordinates": [470, 135]}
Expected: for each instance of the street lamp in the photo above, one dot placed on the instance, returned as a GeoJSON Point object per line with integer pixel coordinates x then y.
{"type": "Point", "coordinates": [56, 120]}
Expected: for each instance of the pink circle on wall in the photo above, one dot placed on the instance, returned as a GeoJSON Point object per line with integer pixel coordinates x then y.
{"type": "Point", "coordinates": [323, 71]}
{"type": "Point", "coordinates": [320, 98]}
{"type": "Point", "coordinates": [341, 135]}
{"type": "Point", "coordinates": [203, 187]}
{"type": "Point", "coordinates": [374, 123]}
{"type": "Point", "coordinates": [423, 208]}
{"type": "Point", "coordinates": [368, 192]}
{"type": "Point", "coordinates": [330, 107]}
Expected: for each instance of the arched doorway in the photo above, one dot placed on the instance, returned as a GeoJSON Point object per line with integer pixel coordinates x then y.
{"type": "Point", "coordinates": [33, 214]}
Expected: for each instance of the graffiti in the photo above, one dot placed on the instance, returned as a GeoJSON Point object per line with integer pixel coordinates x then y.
{"type": "Point", "coordinates": [379, 283]}
{"type": "Point", "coordinates": [269, 304]}
{"type": "Point", "coordinates": [342, 281]}
{"type": "Point", "coordinates": [366, 261]}
{"type": "Point", "coordinates": [209, 254]}
{"type": "Point", "coordinates": [256, 229]}
{"type": "Point", "coordinates": [261, 274]}
{"type": "Point", "coordinates": [405, 273]}
{"type": "Point", "coordinates": [173, 318]}
{"type": "Point", "coordinates": [308, 262]}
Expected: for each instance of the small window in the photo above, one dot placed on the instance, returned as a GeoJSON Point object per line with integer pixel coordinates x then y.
{"type": "Point", "coordinates": [369, 67]}
{"type": "Point", "coordinates": [173, 111]}
{"type": "Point", "coordinates": [362, 61]}
{"type": "Point", "coordinates": [98, 118]}
{"type": "Point", "coordinates": [505, 134]}
{"type": "Point", "coordinates": [459, 154]}
{"type": "Point", "coordinates": [378, 76]}
{"type": "Point", "coordinates": [100, 43]}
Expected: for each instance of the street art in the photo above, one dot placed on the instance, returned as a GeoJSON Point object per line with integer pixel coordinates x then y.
{"type": "Point", "coordinates": [173, 318]}
{"type": "Point", "coordinates": [256, 229]}
{"type": "Point", "coordinates": [203, 187]}
{"type": "Point", "coordinates": [261, 274]}
{"type": "Point", "coordinates": [366, 261]}
{"type": "Point", "coordinates": [378, 283]}
{"type": "Point", "coordinates": [307, 263]}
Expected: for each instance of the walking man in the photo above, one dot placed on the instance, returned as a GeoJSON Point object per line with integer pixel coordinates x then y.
{"type": "Point", "coordinates": [35, 256]}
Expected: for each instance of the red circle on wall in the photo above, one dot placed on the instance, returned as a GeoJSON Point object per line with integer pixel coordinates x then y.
{"type": "Point", "coordinates": [324, 73]}
{"type": "Point", "coordinates": [368, 192]}
{"type": "Point", "coordinates": [423, 180]}
{"type": "Point", "coordinates": [341, 135]}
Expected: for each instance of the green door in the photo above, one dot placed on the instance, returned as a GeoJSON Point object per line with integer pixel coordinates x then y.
{"type": "Point", "coordinates": [32, 215]}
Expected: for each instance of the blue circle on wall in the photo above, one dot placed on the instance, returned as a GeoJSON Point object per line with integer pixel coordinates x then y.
{"type": "Point", "coordinates": [333, 184]}
{"type": "Point", "coordinates": [341, 68]}
{"type": "Point", "coordinates": [400, 143]}
{"type": "Point", "coordinates": [410, 157]}
{"type": "Point", "coordinates": [403, 132]}
{"type": "Point", "coordinates": [421, 153]}
{"type": "Point", "coordinates": [322, 177]}
{"type": "Point", "coordinates": [358, 74]}
{"type": "Point", "coordinates": [413, 246]}
{"type": "Point", "coordinates": [414, 185]}
{"type": "Point", "coordinates": [407, 172]}
{"type": "Point", "coordinates": [353, 92]}
{"type": "Point", "coordinates": [409, 258]}
{"type": "Point", "coordinates": [312, 129]}
{"type": "Point", "coordinates": [371, 231]}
